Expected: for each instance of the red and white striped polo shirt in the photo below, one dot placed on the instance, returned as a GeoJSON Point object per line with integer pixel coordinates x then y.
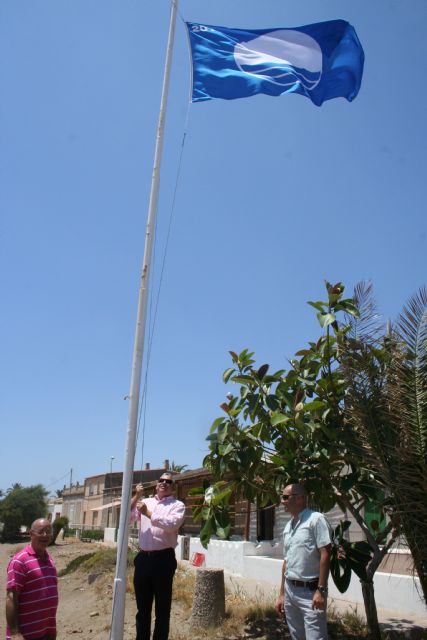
{"type": "Point", "coordinates": [36, 582]}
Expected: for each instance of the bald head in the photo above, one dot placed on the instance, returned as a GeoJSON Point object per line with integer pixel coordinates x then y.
{"type": "Point", "coordinates": [40, 523]}
{"type": "Point", "coordinates": [298, 489]}
{"type": "Point", "coordinates": [294, 498]}
{"type": "Point", "coordinates": [41, 535]}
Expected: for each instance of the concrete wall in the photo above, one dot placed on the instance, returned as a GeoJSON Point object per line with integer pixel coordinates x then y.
{"type": "Point", "coordinates": [110, 535]}
{"type": "Point", "coordinates": [263, 563]}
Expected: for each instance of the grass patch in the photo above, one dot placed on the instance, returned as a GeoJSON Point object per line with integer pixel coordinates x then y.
{"type": "Point", "coordinates": [252, 614]}
{"type": "Point", "coordinates": [100, 561]}
{"type": "Point", "coordinates": [347, 624]}
{"type": "Point", "coordinates": [183, 587]}
{"type": "Point", "coordinates": [74, 564]}
{"type": "Point", "coordinates": [246, 616]}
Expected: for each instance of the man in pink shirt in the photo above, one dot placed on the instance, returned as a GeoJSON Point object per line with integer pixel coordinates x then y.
{"type": "Point", "coordinates": [32, 589]}
{"type": "Point", "coordinates": [159, 518]}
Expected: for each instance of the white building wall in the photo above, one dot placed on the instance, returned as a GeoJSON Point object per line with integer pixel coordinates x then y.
{"type": "Point", "coordinates": [54, 508]}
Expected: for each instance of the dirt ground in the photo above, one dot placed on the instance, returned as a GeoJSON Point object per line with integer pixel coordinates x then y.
{"type": "Point", "coordinates": [84, 609]}
{"type": "Point", "coordinates": [85, 600]}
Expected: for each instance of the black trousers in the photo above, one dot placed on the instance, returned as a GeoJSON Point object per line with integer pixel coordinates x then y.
{"type": "Point", "coordinates": [152, 580]}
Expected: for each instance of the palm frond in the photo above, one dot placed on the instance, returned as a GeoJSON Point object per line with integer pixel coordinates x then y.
{"type": "Point", "coordinates": [369, 324]}
{"type": "Point", "coordinates": [409, 375]}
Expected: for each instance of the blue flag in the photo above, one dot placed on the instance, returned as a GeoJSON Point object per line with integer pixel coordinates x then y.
{"type": "Point", "coordinates": [320, 61]}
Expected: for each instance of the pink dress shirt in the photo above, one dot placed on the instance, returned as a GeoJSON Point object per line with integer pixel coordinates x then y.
{"type": "Point", "coordinates": [161, 532]}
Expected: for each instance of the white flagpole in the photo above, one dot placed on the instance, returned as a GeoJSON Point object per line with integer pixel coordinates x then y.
{"type": "Point", "coordinates": [119, 593]}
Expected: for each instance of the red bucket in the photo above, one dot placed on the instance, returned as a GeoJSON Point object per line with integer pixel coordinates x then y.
{"type": "Point", "coordinates": [197, 559]}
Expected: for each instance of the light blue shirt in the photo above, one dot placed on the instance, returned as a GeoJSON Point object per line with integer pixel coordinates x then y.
{"type": "Point", "coordinates": [301, 542]}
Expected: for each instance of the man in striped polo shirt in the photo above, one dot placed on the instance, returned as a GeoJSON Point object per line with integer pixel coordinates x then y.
{"type": "Point", "coordinates": [32, 589]}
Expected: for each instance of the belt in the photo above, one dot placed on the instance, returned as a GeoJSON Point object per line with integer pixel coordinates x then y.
{"type": "Point", "coordinates": [311, 584]}
{"type": "Point", "coordinates": [154, 553]}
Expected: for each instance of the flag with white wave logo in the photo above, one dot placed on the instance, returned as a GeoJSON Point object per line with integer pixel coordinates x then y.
{"type": "Point", "coordinates": [320, 61]}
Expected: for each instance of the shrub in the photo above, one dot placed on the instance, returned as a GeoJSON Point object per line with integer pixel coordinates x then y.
{"type": "Point", "coordinates": [93, 534]}
{"type": "Point", "coordinates": [57, 525]}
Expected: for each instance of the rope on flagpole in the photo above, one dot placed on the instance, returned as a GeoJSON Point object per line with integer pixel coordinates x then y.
{"type": "Point", "coordinates": [152, 323]}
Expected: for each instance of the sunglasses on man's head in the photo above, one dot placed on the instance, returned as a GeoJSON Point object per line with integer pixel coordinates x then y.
{"type": "Point", "coordinates": [166, 480]}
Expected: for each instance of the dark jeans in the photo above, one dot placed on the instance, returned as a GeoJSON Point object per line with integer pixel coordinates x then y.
{"type": "Point", "coordinates": [153, 579]}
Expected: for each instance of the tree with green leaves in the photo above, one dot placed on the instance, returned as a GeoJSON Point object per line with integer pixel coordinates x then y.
{"type": "Point", "coordinates": [20, 507]}
{"type": "Point", "coordinates": [332, 421]}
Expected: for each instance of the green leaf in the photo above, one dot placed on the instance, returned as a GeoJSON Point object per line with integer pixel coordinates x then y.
{"type": "Point", "coordinates": [278, 374]}
{"type": "Point", "coordinates": [358, 567]}
{"type": "Point", "coordinates": [243, 379]}
{"type": "Point", "coordinates": [223, 533]}
{"type": "Point", "coordinates": [364, 546]}
{"type": "Point", "coordinates": [358, 554]}
{"type": "Point", "coordinates": [227, 449]}
{"type": "Point", "coordinates": [303, 352]}
{"type": "Point", "coordinates": [341, 528]}
{"type": "Point", "coordinates": [252, 401]}
{"type": "Point", "coordinates": [196, 491]}
{"type": "Point", "coordinates": [319, 305]}
{"type": "Point", "coordinates": [340, 572]}
{"type": "Point", "coordinates": [325, 319]}
{"type": "Point", "coordinates": [272, 402]}
{"type": "Point", "coordinates": [221, 497]}
{"type": "Point", "coordinates": [207, 531]}
{"type": "Point", "coordinates": [279, 418]}
{"type": "Point", "coordinates": [315, 405]}
{"type": "Point", "coordinates": [348, 482]}
{"type": "Point", "coordinates": [262, 371]}
{"type": "Point", "coordinates": [349, 307]}
{"type": "Point", "coordinates": [227, 374]}
{"type": "Point", "coordinates": [216, 423]}
{"type": "Point", "coordinates": [222, 518]}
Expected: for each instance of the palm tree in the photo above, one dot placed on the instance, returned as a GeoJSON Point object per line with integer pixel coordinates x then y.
{"type": "Point", "coordinates": [177, 468]}
{"type": "Point", "coordinates": [15, 485]}
{"type": "Point", "coordinates": [387, 413]}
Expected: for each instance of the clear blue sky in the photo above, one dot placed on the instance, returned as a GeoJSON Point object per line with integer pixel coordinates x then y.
{"type": "Point", "coordinates": [274, 195]}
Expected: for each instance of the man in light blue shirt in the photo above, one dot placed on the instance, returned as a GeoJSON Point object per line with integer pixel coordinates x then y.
{"type": "Point", "coordinates": [307, 548]}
